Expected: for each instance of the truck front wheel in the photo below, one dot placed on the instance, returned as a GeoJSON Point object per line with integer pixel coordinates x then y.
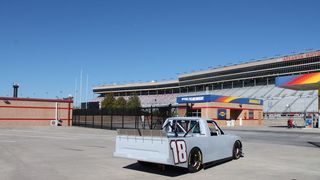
{"type": "Point", "coordinates": [195, 160]}
{"type": "Point", "coordinates": [237, 150]}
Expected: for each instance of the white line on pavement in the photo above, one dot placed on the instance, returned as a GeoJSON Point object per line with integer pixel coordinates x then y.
{"type": "Point", "coordinates": [48, 137]}
{"type": "Point", "coordinates": [7, 141]}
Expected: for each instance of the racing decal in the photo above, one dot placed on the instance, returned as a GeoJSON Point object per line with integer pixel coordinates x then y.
{"type": "Point", "coordinates": [179, 151]}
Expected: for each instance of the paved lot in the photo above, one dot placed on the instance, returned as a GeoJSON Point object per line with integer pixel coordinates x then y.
{"type": "Point", "coordinates": [83, 153]}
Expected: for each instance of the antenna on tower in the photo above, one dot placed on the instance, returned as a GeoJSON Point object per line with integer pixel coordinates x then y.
{"type": "Point", "coordinates": [87, 91]}
{"type": "Point", "coordinates": [80, 90]}
{"type": "Point", "coordinates": [75, 91]}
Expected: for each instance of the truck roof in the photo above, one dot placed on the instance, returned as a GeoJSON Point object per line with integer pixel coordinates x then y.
{"type": "Point", "coordinates": [189, 118]}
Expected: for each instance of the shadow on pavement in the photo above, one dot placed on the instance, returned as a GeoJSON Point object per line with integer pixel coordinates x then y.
{"type": "Point", "coordinates": [286, 127]}
{"type": "Point", "coordinates": [170, 171]}
{"type": "Point", "coordinates": [317, 144]}
{"type": "Point", "coordinates": [217, 163]}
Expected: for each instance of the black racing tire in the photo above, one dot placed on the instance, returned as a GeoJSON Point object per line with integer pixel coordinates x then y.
{"type": "Point", "coordinates": [195, 160]}
{"type": "Point", "coordinates": [237, 150]}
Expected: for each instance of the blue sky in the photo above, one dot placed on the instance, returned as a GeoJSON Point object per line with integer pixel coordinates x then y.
{"type": "Point", "coordinates": [45, 44]}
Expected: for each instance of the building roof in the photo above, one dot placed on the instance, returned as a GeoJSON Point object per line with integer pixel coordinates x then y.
{"type": "Point", "coordinates": [211, 75]}
{"type": "Point", "coordinates": [36, 99]}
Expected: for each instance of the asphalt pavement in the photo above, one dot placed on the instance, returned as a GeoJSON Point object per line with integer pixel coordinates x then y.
{"type": "Point", "coordinates": [74, 153]}
{"type": "Point", "coordinates": [275, 129]}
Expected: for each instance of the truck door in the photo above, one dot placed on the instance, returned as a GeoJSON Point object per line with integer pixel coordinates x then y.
{"type": "Point", "coordinates": [217, 143]}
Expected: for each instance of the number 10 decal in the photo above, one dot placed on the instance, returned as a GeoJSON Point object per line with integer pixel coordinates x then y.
{"type": "Point", "coordinates": [179, 151]}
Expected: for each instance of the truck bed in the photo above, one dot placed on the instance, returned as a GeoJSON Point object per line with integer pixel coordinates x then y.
{"type": "Point", "coordinates": [143, 145]}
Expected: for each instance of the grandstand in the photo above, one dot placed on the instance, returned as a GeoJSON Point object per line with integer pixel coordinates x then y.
{"type": "Point", "coordinates": [253, 79]}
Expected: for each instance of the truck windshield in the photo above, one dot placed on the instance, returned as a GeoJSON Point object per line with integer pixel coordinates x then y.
{"type": "Point", "coordinates": [182, 126]}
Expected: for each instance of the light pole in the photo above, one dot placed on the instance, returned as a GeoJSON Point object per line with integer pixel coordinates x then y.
{"type": "Point", "coordinates": [288, 109]}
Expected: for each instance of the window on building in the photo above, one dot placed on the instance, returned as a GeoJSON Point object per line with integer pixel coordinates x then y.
{"type": "Point", "coordinates": [195, 113]}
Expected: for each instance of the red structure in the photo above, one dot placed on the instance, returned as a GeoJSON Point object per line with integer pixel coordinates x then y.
{"type": "Point", "coordinates": [34, 111]}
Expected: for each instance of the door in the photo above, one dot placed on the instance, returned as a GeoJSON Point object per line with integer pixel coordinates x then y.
{"type": "Point", "coordinates": [217, 143]}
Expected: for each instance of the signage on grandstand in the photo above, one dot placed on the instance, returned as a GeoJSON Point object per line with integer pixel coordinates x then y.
{"type": "Point", "coordinates": [301, 56]}
{"type": "Point", "coordinates": [254, 101]}
{"type": "Point", "coordinates": [201, 98]}
{"type": "Point", "coordinates": [187, 99]}
{"type": "Point", "coordinates": [310, 81]}
{"type": "Point", "coordinates": [217, 98]}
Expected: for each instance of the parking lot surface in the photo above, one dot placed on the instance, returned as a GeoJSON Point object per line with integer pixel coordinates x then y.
{"type": "Point", "coordinates": [82, 153]}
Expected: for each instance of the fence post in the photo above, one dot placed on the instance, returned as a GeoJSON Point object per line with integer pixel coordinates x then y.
{"type": "Point", "coordinates": [78, 118]}
{"type": "Point", "coordinates": [151, 118]}
{"type": "Point", "coordinates": [122, 118]}
{"type": "Point", "coordinates": [73, 119]}
{"type": "Point", "coordinates": [135, 118]}
{"type": "Point", "coordinates": [85, 119]}
{"type": "Point", "coordinates": [93, 119]}
{"type": "Point", "coordinates": [136, 122]}
{"type": "Point", "coordinates": [111, 121]}
{"type": "Point", "coordinates": [101, 116]}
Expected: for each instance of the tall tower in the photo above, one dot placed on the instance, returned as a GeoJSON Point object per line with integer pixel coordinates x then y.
{"type": "Point", "coordinates": [15, 90]}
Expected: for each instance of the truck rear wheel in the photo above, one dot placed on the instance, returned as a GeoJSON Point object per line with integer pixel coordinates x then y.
{"type": "Point", "coordinates": [195, 160]}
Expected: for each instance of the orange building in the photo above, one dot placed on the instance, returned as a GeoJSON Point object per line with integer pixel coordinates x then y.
{"type": "Point", "coordinates": [34, 112]}
{"type": "Point", "coordinates": [222, 108]}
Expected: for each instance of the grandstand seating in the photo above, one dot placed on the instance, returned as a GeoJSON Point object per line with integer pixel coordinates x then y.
{"type": "Point", "coordinates": [276, 100]}
{"type": "Point", "coordinates": [258, 78]}
{"type": "Point", "coordinates": [283, 104]}
{"type": "Point", "coordinates": [313, 107]}
{"type": "Point", "coordinates": [302, 104]}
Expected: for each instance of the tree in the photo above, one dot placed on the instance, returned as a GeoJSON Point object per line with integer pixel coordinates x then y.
{"type": "Point", "coordinates": [120, 103]}
{"type": "Point", "coordinates": [134, 102]}
{"type": "Point", "coordinates": [108, 102]}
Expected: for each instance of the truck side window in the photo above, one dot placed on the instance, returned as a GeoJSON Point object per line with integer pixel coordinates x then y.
{"type": "Point", "coordinates": [214, 130]}
{"type": "Point", "coordinates": [196, 129]}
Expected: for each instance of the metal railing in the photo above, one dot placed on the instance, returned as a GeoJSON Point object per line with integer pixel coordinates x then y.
{"type": "Point", "coordinates": [142, 118]}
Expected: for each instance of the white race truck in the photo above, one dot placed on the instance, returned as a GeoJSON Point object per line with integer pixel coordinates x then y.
{"type": "Point", "coordinates": [183, 141]}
